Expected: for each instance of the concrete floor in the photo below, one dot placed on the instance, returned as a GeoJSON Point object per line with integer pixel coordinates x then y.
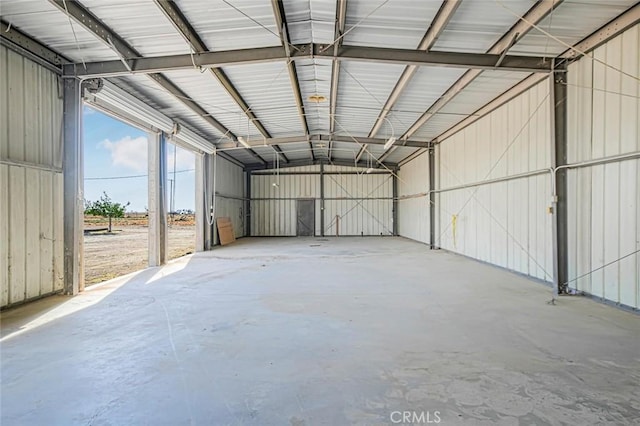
{"type": "Point", "coordinates": [297, 331]}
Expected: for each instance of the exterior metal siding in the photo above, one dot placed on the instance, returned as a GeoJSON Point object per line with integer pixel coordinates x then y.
{"type": "Point", "coordinates": [31, 239]}
{"type": "Point", "coordinates": [273, 208]}
{"type": "Point", "coordinates": [604, 200]}
{"type": "Point", "coordinates": [505, 223]}
{"type": "Point", "coordinates": [413, 205]}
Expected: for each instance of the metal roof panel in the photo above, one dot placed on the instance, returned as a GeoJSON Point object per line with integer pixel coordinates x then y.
{"type": "Point", "coordinates": [44, 22]}
{"type": "Point", "coordinates": [363, 91]}
{"type": "Point", "coordinates": [267, 90]}
{"type": "Point", "coordinates": [142, 24]}
{"type": "Point", "coordinates": [222, 27]}
{"type": "Point", "coordinates": [478, 24]}
{"type": "Point", "coordinates": [398, 24]}
{"type": "Point", "coordinates": [570, 22]}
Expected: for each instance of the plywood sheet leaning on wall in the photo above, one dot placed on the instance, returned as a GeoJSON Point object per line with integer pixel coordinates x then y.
{"type": "Point", "coordinates": [225, 231]}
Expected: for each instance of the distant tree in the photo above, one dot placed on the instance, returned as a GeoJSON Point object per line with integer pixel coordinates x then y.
{"type": "Point", "coordinates": [105, 207]}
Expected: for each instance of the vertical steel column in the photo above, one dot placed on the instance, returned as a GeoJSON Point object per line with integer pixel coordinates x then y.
{"type": "Point", "coordinates": [73, 187]}
{"type": "Point", "coordinates": [209, 228]}
{"type": "Point", "coordinates": [432, 197]}
{"type": "Point", "coordinates": [558, 117]}
{"type": "Point", "coordinates": [158, 229]}
{"type": "Point", "coordinates": [395, 202]}
{"type": "Point", "coordinates": [247, 204]}
{"type": "Point", "coordinates": [201, 207]}
{"type": "Point", "coordinates": [322, 199]}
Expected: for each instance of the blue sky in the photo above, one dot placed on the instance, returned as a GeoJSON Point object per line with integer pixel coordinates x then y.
{"type": "Point", "coordinates": [114, 149]}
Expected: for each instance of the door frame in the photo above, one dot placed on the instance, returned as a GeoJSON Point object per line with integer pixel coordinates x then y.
{"type": "Point", "coordinates": [313, 222]}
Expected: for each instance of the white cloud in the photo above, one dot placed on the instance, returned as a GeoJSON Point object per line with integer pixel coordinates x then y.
{"type": "Point", "coordinates": [185, 160]}
{"type": "Point", "coordinates": [132, 153]}
{"type": "Point", "coordinates": [128, 152]}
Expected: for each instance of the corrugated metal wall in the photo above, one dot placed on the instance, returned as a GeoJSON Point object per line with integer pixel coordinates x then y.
{"type": "Point", "coordinates": [504, 223]}
{"type": "Point", "coordinates": [273, 207]}
{"type": "Point", "coordinates": [413, 203]}
{"type": "Point", "coordinates": [230, 194]}
{"type": "Point", "coordinates": [362, 202]}
{"type": "Point", "coordinates": [31, 227]}
{"type": "Point", "coordinates": [604, 200]}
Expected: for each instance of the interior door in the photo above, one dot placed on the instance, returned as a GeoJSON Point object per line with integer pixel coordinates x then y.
{"type": "Point", "coordinates": [306, 213]}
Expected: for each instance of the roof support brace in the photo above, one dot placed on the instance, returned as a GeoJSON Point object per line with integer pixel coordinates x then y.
{"type": "Point", "coordinates": [441, 20]}
{"type": "Point", "coordinates": [155, 64]}
{"type": "Point", "coordinates": [130, 56]}
{"type": "Point", "coordinates": [341, 18]}
{"type": "Point", "coordinates": [324, 138]}
{"type": "Point", "coordinates": [180, 22]}
{"type": "Point", "coordinates": [536, 14]}
{"type": "Point", "coordinates": [338, 162]}
{"type": "Point", "coordinates": [283, 30]}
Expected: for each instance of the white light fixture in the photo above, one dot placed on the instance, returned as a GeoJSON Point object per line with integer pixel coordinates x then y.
{"type": "Point", "coordinates": [112, 98]}
{"type": "Point", "coordinates": [244, 142]}
{"type": "Point", "coordinates": [369, 170]}
{"type": "Point", "coordinates": [193, 139]}
{"type": "Point", "coordinates": [389, 143]}
{"type": "Point", "coordinates": [118, 99]}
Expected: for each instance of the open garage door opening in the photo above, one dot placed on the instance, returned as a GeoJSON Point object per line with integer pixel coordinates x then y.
{"type": "Point", "coordinates": [115, 197]}
{"type": "Point", "coordinates": [181, 197]}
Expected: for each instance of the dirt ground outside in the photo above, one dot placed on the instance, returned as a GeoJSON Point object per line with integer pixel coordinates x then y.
{"type": "Point", "coordinates": [125, 250]}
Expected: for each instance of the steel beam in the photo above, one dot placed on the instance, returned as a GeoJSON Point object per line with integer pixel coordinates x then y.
{"type": "Point", "coordinates": [438, 25]}
{"type": "Point", "coordinates": [326, 173]}
{"type": "Point", "coordinates": [309, 162]}
{"type": "Point", "coordinates": [322, 199]}
{"type": "Point", "coordinates": [435, 58]}
{"type": "Point", "coordinates": [444, 15]}
{"type": "Point", "coordinates": [283, 31]}
{"type": "Point", "coordinates": [247, 204]}
{"type": "Point", "coordinates": [146, 65]}
{"type": "Point", "coordinates": [618, 25]}
{"type": "Point", "coordinates": [129, 56]}
{"type": "Point", "coordinates": [158, 229]}
{"type": "Point", "coordinates": [27, 46]}
{"type": "Point", "coordinates": [73, 187]}
{"type": "Point", "coordinates": [395, 204]}
{"type": "Point", "coordinates": [200, 201]}
{"type": "Point", "coordinates": [186, 30]}
{"type": "Point", "coordinates": [558, 100]}
{"type": "Point", "coordinates": [432, 197]}
{"type": "Point", "coordinates": [155, 64]}
{"type": "Point", "coordinates": [209, 230]}
{"type": "Point", "coordinates": [536, 14]}
{"type": "Point", "coordinates": [321, 139]}
{"type": "Point", "coordinates": [496, 103]}
{"type": "Point", "coordinates": [341, 19]}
